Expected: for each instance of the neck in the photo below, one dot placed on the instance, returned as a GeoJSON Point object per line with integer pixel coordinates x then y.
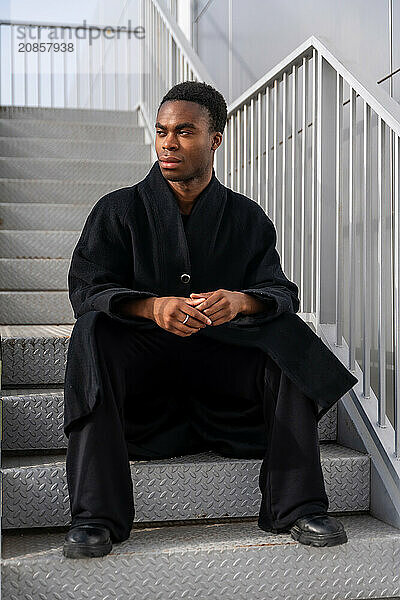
{"type": "Point", "coordinates": [186, 192]}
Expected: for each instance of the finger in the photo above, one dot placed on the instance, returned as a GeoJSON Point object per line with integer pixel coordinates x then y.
{"type": "Point", "coordinates": [216, 314]}
{"type": "Point", "coordinates": [209, 302]}
{"type": "Point", "coordinates": [196, 314]}
{"type": "Point", "coordinates": [220, 320]}
{"type": "Point", "coordinates": [194, 301]}
{"type": "Point", "coordinates": [201, 293]}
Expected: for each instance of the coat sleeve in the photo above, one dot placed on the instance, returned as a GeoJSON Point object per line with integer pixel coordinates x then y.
{"type": "Point", "coordinates": [264, 277]}
{"type": "Point", "coordinates": [101, 268]}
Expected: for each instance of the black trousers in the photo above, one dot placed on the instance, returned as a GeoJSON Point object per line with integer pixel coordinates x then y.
{"type": "Point", "coordinates": [163, 395]}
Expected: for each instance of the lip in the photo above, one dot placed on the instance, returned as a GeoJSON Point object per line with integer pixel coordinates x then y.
{"type": "Point", "coordinates": [169, 163]}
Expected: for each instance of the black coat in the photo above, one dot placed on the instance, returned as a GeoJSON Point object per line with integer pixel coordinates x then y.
{"type": "Point", "coordinates": [134, 244]}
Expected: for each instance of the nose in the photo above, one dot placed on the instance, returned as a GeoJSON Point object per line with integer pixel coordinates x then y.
{"type": "Point", "coordinates": [169, 142]}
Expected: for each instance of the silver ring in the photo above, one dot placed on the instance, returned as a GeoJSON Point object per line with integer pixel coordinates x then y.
{"type": "Point", "coordinates": [186, 318]}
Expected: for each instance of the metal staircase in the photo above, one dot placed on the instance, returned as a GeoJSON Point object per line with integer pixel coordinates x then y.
{"type": "Point", "coordinates": [195, 533]}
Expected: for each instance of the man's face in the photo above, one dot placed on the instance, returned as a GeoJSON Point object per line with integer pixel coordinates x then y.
{"type": "Point", "coordinates": [182, 133]}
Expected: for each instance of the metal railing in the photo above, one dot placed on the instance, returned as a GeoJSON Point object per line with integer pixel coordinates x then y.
{"type": "Point", "coordinates": [327, 173]}
{"type": "Point", "coordinates": [166, 59]}
{"type": "Point", "coordinates": [51, 64]}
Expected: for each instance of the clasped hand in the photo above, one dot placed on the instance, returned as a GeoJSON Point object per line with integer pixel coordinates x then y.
{"type": "Point", "coordinates": [203, 308]}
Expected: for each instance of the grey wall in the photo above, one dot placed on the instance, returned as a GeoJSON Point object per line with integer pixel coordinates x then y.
{"type": "Point", "coordinates": [265, 31]}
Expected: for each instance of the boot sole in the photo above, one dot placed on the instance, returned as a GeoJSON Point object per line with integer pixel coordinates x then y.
{"type": "Point", "coordinates": [75, 550]}
{"type": "Point", "coordinates": [315, 539]}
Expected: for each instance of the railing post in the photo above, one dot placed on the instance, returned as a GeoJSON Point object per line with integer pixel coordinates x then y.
{"type": "Point", "coordinates": [326, 192]}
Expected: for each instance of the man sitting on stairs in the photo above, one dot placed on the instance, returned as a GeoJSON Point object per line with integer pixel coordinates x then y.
{"type": "Point", "coordinates": [174, 281]}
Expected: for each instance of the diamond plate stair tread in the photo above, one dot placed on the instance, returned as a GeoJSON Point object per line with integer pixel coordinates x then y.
{"type": "Point", "coordinates": [46, 113]}
{"type": "Point", "coordinates": [33, 420]}
{"type": "Point", "coordinates": [35, 307]}
{"type": "Point", "coordinates": [35, 331]}
{"type": "Point", "coordinates": [31, 216]}
{"type": "Point", "coordinates": [329, 451]}
{"type": "Point", "coordinates": [33, 274]}
{"type": "Point", "coordinates": [79, 130]}
{"type": "Point", "coordinates": [204, 485]}
{"type": "Point", "coordinates": [234, 560]}
{"type": "Point", "coordinates": [73, 169]}
{"type": "Point", "coordinates": [56, 191]}
{"type": "Point", "coordinates": [70, 148]}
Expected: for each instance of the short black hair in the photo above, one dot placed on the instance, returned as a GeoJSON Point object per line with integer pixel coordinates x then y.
{"type": "Point", "coordinates": [204, 94]}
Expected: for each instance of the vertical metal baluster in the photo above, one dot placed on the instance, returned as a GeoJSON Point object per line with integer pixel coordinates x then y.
{"type": "Point", "coordinates": [275, 149]}
{"type": "Point", "coordinates": [182, 67]}
{"type": "Point", "coordinates": [259, 148]}
{"type": "Point", "coordinates": [266, 149]}
{"type": "Point", "coordinates": [339, 211]}
{"type": "Point", "coordinates": [1, 90]}
{"type": "Point", "coordinates": [352, 257]}
{"type": "Point", "coordinates": [90, 76]}
{"type": "Point", "coordinates": [303, 177]}
{"type": "Point", "coordinates": [381, 274]}
{"type": "Point", "coordinates": [396, 298]}
{"type": "Point", "coordinates": [157, 69]}
{"type": "Point", "coordinates": [103, 86]}
{"type": "Point", "coordinates": [245, 149]}
{"type": "Point", "coordinates": [12, 68]}
{"type": "Point", "coordinates": [239, 143]}
{"type": "Point", "coordinates": [169, 60]}
{"type": "Point", "coordinates": [77, 74]}
{"type": "Point", "coordinates": [318, 215]}
{"type": "Point", "coordinates": [283, 202]}
{"type": "Point", "coordinates": [51, 79]}
{"type": "Point", "coordinates": [232, 152]}
{"type": "Point", "coordinates": [293, 182]}
{"type": "Point", "coordinates": [151, 72]}
{"type": "Point", "coordinates": [252, 148]}
{"type": "Point", "coordinates": [116, 95]}
{"type": "Point", "coordinates": [39, 78]}
{"type": "Point", "coordinates": [313, 176]}
{"type": "Point", "coordinates": [128, 71]}
{"type": "Point", "coordinates": [366, 253]}
{"type": "Point", "coordinates": [226, 137]}
{"type": "Point", "coordinates": [25, 75]}
{"type": "Point", "coordinates": [65, 80]}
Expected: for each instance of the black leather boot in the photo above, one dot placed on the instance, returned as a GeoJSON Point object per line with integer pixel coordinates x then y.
{"type": "Point", "coordinates": [318, 530]}
{"type": "Point", "coordinates": [86, 541]}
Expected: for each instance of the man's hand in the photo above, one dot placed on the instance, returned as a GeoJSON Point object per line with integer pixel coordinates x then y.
{"type": "Point", "coordinates": [221, 306]}
{"type": "Point", "coordinates": [169, 312]}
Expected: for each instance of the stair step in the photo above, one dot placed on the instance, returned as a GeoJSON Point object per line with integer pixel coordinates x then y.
{"type": "Point", "coordinates": [34, 354]}
{"type": "Point", "coordinates": [33, 420]}
{"type": "Point", "coordinates": [34, 273]}
{"type": "Point", "coordinates": [47, 113]}
{"type": "Point", "coordinates": [70, 148]}
{"type": "Point", "coordinates": [229, 560]}
{"type": "Point", "coordinates": [203, 485]}
{"type": "Point", "coordinates": [56, 217]}
{"type": "Point", "coordinates": [56, 190]}
{"type": "Point", "coordinates": [75, 169]}
{"type": "Point", "coordinates": [70, 129]}
{"type": "Point", "coordinates": [37, 244]}
{"type": "Point", "coordinates": [35, 307]}
{"type": "Point", "coordinates": [37, 355]}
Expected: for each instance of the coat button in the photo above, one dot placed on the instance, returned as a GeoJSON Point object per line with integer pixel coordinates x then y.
{"type": "Point", "coordinates": [185, 278]}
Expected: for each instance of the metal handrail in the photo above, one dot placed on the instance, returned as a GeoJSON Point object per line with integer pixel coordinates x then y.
{"type": "Point", "coordinates": [95, 81]}
{"type": "Point", "coordinates": [311, 179]}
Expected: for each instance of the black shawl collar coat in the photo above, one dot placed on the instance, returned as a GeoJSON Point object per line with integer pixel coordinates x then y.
{"type": "Point", "coordinates": [134, 244]}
